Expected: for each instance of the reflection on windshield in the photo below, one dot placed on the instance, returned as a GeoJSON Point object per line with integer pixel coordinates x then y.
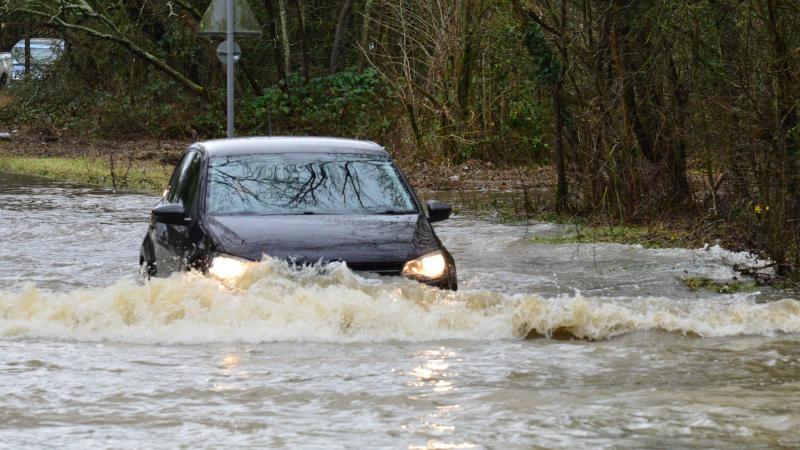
{"type": "Point", "coordinates": [306, 183]}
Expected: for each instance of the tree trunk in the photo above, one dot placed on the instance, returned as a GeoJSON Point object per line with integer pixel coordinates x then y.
{"type": "Point", "coordinates": [676, 160]}
{"type": "Point", "coordinates": [630, 113]}
{"type": "Point", "coordinates": [465, 75]}
{"type": "Point", "coordinates": [301, 20]}
{"type": "Point", "coordinates": [277, 52]}
{"type": "Point", "coordinates": [365, 30]}
{"type": "Point", "coordinates": [245, 70]}
{"type": "Point", "coordinates": [287, 52]}
{"type": "Point", "coordinates": [412, 118]}
{"type": "Point", "coordinates": [559, 32]}
{"type": "Point", "coordinates": [784, 143]}
{"type": "Point", "coordinates": [338, 37]}
{"type": "Point", "coordinates": [562, 186]}
{"type": "Point", "coordinates": [27, 55]}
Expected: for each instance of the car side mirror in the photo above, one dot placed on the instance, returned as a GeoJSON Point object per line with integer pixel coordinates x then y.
{"type": "Point", "coordinates": [438, 211]}
{"type": "Point", "coordinates": [170, 214]}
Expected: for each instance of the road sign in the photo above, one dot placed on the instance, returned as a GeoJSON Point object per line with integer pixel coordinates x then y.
{"type": "Point", "coordinates": [222, 53]}
{"type": "Point", "coordinates": [214, 21]}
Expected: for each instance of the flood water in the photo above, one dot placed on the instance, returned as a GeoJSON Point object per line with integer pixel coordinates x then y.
{"type": "Point", "coordinates": [556, 346]}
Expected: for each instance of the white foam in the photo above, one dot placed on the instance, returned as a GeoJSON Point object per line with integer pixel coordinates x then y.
{"type": "Point", "coordinates": [274, 302]}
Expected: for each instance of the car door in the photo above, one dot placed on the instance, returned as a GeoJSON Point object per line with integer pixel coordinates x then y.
{"type": "Point", "coordinates": [172, 242]}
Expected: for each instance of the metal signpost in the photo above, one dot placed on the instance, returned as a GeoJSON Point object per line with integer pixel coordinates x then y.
{"type": "Point", "coordinates": [229, 18]}
{"type": "Point", "coordinates": [229, 64]}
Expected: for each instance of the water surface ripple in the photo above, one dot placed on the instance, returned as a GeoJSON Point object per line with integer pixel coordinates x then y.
{"type": "Point", "coordinates": [90, 359]}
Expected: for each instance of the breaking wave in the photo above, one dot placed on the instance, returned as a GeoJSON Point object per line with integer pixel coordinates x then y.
{"type": "Point", "coordinates": [274, 302]}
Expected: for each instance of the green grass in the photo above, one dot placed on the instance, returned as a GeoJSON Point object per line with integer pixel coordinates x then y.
{"type": "Point", "coordinates": [561, 219]}
{"type": "Point", "coordinates": [647, 237]}
{"type": "Point", "coordinates": [146, 177]}
{"type": "Point", "coordinates": [707, 284]}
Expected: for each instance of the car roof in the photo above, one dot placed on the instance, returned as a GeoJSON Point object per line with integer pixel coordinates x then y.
{"type": "Point", "coordinates": [258, 145]}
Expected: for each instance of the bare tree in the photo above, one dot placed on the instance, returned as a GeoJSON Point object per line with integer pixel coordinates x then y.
{"type": "Point", "coordinates": [416, 56]}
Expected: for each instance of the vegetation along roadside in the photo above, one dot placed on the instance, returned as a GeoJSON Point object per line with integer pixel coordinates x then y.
{"type": "Point", "coordinates": [630, 113]}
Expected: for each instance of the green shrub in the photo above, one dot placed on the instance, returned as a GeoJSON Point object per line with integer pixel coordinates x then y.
{"type": "Point", "coordinates": [348, 103]}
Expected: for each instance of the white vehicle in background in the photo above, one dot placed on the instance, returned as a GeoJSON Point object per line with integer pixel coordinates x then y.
{"type": "Point", "coordinates": [6, 68]}
{"type": "Point", "coordinates": [44, 52]}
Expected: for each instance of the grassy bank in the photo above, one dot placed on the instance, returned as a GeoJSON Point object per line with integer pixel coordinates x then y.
{"type": "Point", "coordinates": [138, 176]}
{"type": "Point", "coordinates": [731, 287]}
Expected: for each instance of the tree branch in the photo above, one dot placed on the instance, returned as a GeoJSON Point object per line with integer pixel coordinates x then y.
{"type": "Point", "coordinates": [126, 43]}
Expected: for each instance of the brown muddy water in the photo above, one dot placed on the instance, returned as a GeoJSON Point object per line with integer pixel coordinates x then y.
{"type": "Point", "coordinates": [287, 359]}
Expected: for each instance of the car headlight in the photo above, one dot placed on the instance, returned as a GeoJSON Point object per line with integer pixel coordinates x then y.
{"type": "Point", "coordinates": [227, 267]}
{"type": "Point", "coordinates": [430, 266]}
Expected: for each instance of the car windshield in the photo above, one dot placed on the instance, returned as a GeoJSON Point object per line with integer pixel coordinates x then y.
{"type": "Point", "coordinates": [306, 183]}
{"type": "Point", "coordinates": [38, 54]}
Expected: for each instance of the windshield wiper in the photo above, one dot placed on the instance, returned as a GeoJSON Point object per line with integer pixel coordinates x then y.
{"type": "Point", "coordinates": [397, 212]}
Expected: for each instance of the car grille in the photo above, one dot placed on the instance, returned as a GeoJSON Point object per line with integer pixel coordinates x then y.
{"type": "Point", "coordinates": [388, 269]}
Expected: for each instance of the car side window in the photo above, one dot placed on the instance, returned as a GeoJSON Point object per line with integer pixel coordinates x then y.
{"type": "Point", "coordinates": [178, 177]}
{"type": "Point", "coordinates": [190, 184]}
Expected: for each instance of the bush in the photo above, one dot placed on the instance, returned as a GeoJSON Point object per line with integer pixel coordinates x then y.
{"type": "Point", "coordinates": [69, 98]}
{"type": "Point", "coordinates": [349, 103]}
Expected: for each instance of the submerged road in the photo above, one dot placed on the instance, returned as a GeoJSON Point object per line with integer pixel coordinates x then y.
{"type": "Point", "coordinates": [89, 358]}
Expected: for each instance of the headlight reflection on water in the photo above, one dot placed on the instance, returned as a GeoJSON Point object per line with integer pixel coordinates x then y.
{"type": "Point", "coordinates": [434, 379]}
{"type": "Point", "coordinates": [230, 374]}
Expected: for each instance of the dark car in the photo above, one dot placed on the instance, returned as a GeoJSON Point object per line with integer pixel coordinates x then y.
{"type": "Point", "coordinates": [303, 200]}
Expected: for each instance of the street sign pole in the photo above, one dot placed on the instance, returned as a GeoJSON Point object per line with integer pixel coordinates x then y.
{"type": "Point", "coordinates": [228, 19]}
{"type": "Point", "coordinates": [229, 35]}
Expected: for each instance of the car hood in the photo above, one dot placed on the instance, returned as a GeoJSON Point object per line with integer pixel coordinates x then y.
{"type": "Point", "coordinates": [366, 242]}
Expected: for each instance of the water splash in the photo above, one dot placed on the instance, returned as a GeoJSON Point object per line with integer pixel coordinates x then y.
{"type": "Point", "coordinates": [274, 302]}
